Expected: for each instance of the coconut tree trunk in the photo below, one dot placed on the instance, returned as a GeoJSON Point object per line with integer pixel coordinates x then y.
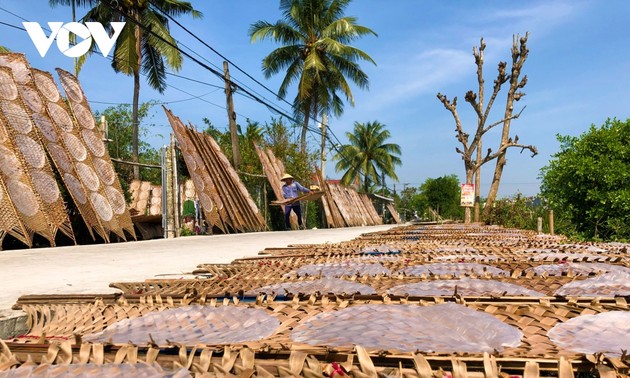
{"type": "Point", "coordinates": [136, 98]}
{"type": "Point", "coordinates": [307, 114]}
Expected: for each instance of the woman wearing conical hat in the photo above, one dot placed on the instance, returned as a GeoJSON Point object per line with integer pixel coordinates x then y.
{"type": "Point", "coordinates": [291, 189]}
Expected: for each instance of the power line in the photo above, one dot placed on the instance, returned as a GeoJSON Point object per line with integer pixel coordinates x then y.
{"type": "Point", "coordinates": [248, 93]}
{"type": "Point", "coordinates": [13, 26]}
{"type": "Point", "coordinates": [218, 53]}
{"type": "Point", "coordinates": [13, 14]}
{"type": "Point", "coordinates": [273, 108]}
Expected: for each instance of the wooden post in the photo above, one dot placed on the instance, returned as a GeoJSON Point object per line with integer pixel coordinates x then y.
{"type": "Point", "coordinates": [551, 231]}
{"type": "Point", "coordinates": [539, 225]}
{"type": "Point", "coordinates": [167, 186]}
{"type": "Point", "coordinates": [175, 188]}
{"type": "Point", "coordinates": [236, 154]}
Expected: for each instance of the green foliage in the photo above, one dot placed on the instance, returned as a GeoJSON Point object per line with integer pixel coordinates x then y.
{"type": "Point", "coordinates": [119, 121]}
{"type": "Point", "coordinates": [283, 142]}
{"type": "Point", "coordinates": [588, 181]}
{"type": "Point", "coordinates": [410, 201]}
{"type": "Point", "coordinates": [315, 54]}
{"type": "Point", "coordinates": [519, 212]}
{"type": "Point", "coordinates": [442, 194]}
{"type": "Point", "coordinates": [368, 155]}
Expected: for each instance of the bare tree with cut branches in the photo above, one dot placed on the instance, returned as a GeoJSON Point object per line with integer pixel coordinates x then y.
{"type": "Point", "coordinates": [471, 150]}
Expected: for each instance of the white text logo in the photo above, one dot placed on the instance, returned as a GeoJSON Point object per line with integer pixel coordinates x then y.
{"type": "Point", "coordinates": [62, 31]}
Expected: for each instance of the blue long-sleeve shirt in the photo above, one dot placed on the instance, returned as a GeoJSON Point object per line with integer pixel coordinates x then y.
{"type": "Point", "coordinates": [292, 191]}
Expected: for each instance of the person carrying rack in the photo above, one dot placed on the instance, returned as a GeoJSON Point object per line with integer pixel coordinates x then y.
{"type": "Point", "coordinates": [292, 189]}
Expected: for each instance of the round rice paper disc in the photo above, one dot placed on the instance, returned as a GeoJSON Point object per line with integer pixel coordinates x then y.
{"type": "Point", "coordinates": [46, 186]}
{"type": "Point", "coordinates": [9, 163]}
{"type": "Point", "coordinates": [83, 116]}
{"type": "Point", "coordinates": [60, 157]}
{"type": "Point", "coordinates": [21, 73]}
{"type": "Point", "coordinates": [444, 328]}
{"type": "Point", "coordinates": [75, 146]}
{"type": "Point", "coordinates": [76, 188]}
{"type": "Point", "coordinates": [102, 206]}
{"type": "Point", "coordinates": [87, 176]}
{"type": "Point", "coordinates": [31, 99]}
{"type": "Point", "coordinates": [93, 142]}
{"type": "Point", "coordinates": [43, 124]}
{"type": "Point", "coordinates": [116, 199]}
{"type": "Point", "coordinates": [23, 197]}
{"type": "Point", "coordinates": [192, 325]}
{"type": "Point", "coordinates": [8, 89]}
{"type": "Point", "coordinates": [105, 171]}
{"type": "Point", "coordinates": [61, 117]}
{"type": "Point", "coordinates": [16, 117]}
{"type": "Point", "coordinates": [31, 150]}
{"type": "Point", "coordinates": [602, 333]}
{"type": "Point", "coordinates": [46, 86]}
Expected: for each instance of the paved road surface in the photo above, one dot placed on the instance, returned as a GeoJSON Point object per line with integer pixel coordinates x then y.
{"type": "Point", "coordinates": [90, 268]}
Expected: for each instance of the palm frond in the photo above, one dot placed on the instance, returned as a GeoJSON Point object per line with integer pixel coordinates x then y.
{"type": "Point", "coordinates": [153, 66]}
{"type": "Point", "coordinates": [125, 55]}
{"type": "Point", "coordinates": [160, 39]}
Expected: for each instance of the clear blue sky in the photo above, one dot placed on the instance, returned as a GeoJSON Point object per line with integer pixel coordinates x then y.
{"type": "Point", "coordinates": [578, 70]}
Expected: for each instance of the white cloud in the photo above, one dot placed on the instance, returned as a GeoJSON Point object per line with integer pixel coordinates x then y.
{"type": "Point", "coordinates": [411, 75]}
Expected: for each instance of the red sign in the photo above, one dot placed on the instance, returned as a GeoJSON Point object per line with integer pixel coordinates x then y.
{"type": "Point", "coordinates": [467, 198]}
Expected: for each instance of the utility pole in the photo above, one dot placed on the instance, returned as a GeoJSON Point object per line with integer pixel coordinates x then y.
{"type": "Point", "coordinates": [229, 89]}
{"type": "Point", "coordinates": [324, 126]}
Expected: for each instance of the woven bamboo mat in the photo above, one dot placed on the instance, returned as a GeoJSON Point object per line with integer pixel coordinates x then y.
{"type": "Point", "coordinates": [204, 361]}
{"type": "Point", "coordinates": [383, 324]}
{"type": "Point", "coordinates": [533, 319]}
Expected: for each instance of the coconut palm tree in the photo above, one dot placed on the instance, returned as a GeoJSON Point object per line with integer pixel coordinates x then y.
{"type": "Point", "coordinates": [314, 35]}
{"type": "Point", "coordinates": [368, 155]}
{"type": "Point", "coordinates": [144, 45]}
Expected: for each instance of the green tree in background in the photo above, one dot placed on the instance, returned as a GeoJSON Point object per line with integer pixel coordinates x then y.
{"type": "Point", "coordinates": [409, 202]}
{"type": "Point", "coordinates": [368, 155]}
{"type": "Point", "coordinates": [148, 48]}
{"type": "Point", "coordinates": [315, 53]}
{"type": "Point", "coordinates": [588, 181]}
{"type": "Point", "coordinates": [442, 194]}
{"type": "Point", "coordinates": [522, 212]}
{"type": "Point", "coordinates": [120, 146]}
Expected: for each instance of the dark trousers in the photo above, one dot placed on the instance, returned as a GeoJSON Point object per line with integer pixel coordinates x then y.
{"type": "Point", "coordinates": [287, 214]}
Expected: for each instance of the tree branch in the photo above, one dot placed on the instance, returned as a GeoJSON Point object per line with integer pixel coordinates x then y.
{"type": "Point", "coordinates": [502, 77]}
{"type": "Point", "coordinates": [491, 156]}
{"type": "Point", "coordinates": [462, 137]}
{"type": "Point", "coordinates": [504, 120]}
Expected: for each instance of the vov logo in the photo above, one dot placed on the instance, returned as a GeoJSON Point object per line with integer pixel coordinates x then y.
{"type": "Point", "coordinates": [62, 31]}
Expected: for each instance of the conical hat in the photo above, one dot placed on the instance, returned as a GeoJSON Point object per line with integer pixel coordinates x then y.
{"type": "Point", "coordinates": [286, 176]}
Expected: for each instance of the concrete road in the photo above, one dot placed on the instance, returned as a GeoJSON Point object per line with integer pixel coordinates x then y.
{"type": "Point", "coordinates": [90, 268]}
